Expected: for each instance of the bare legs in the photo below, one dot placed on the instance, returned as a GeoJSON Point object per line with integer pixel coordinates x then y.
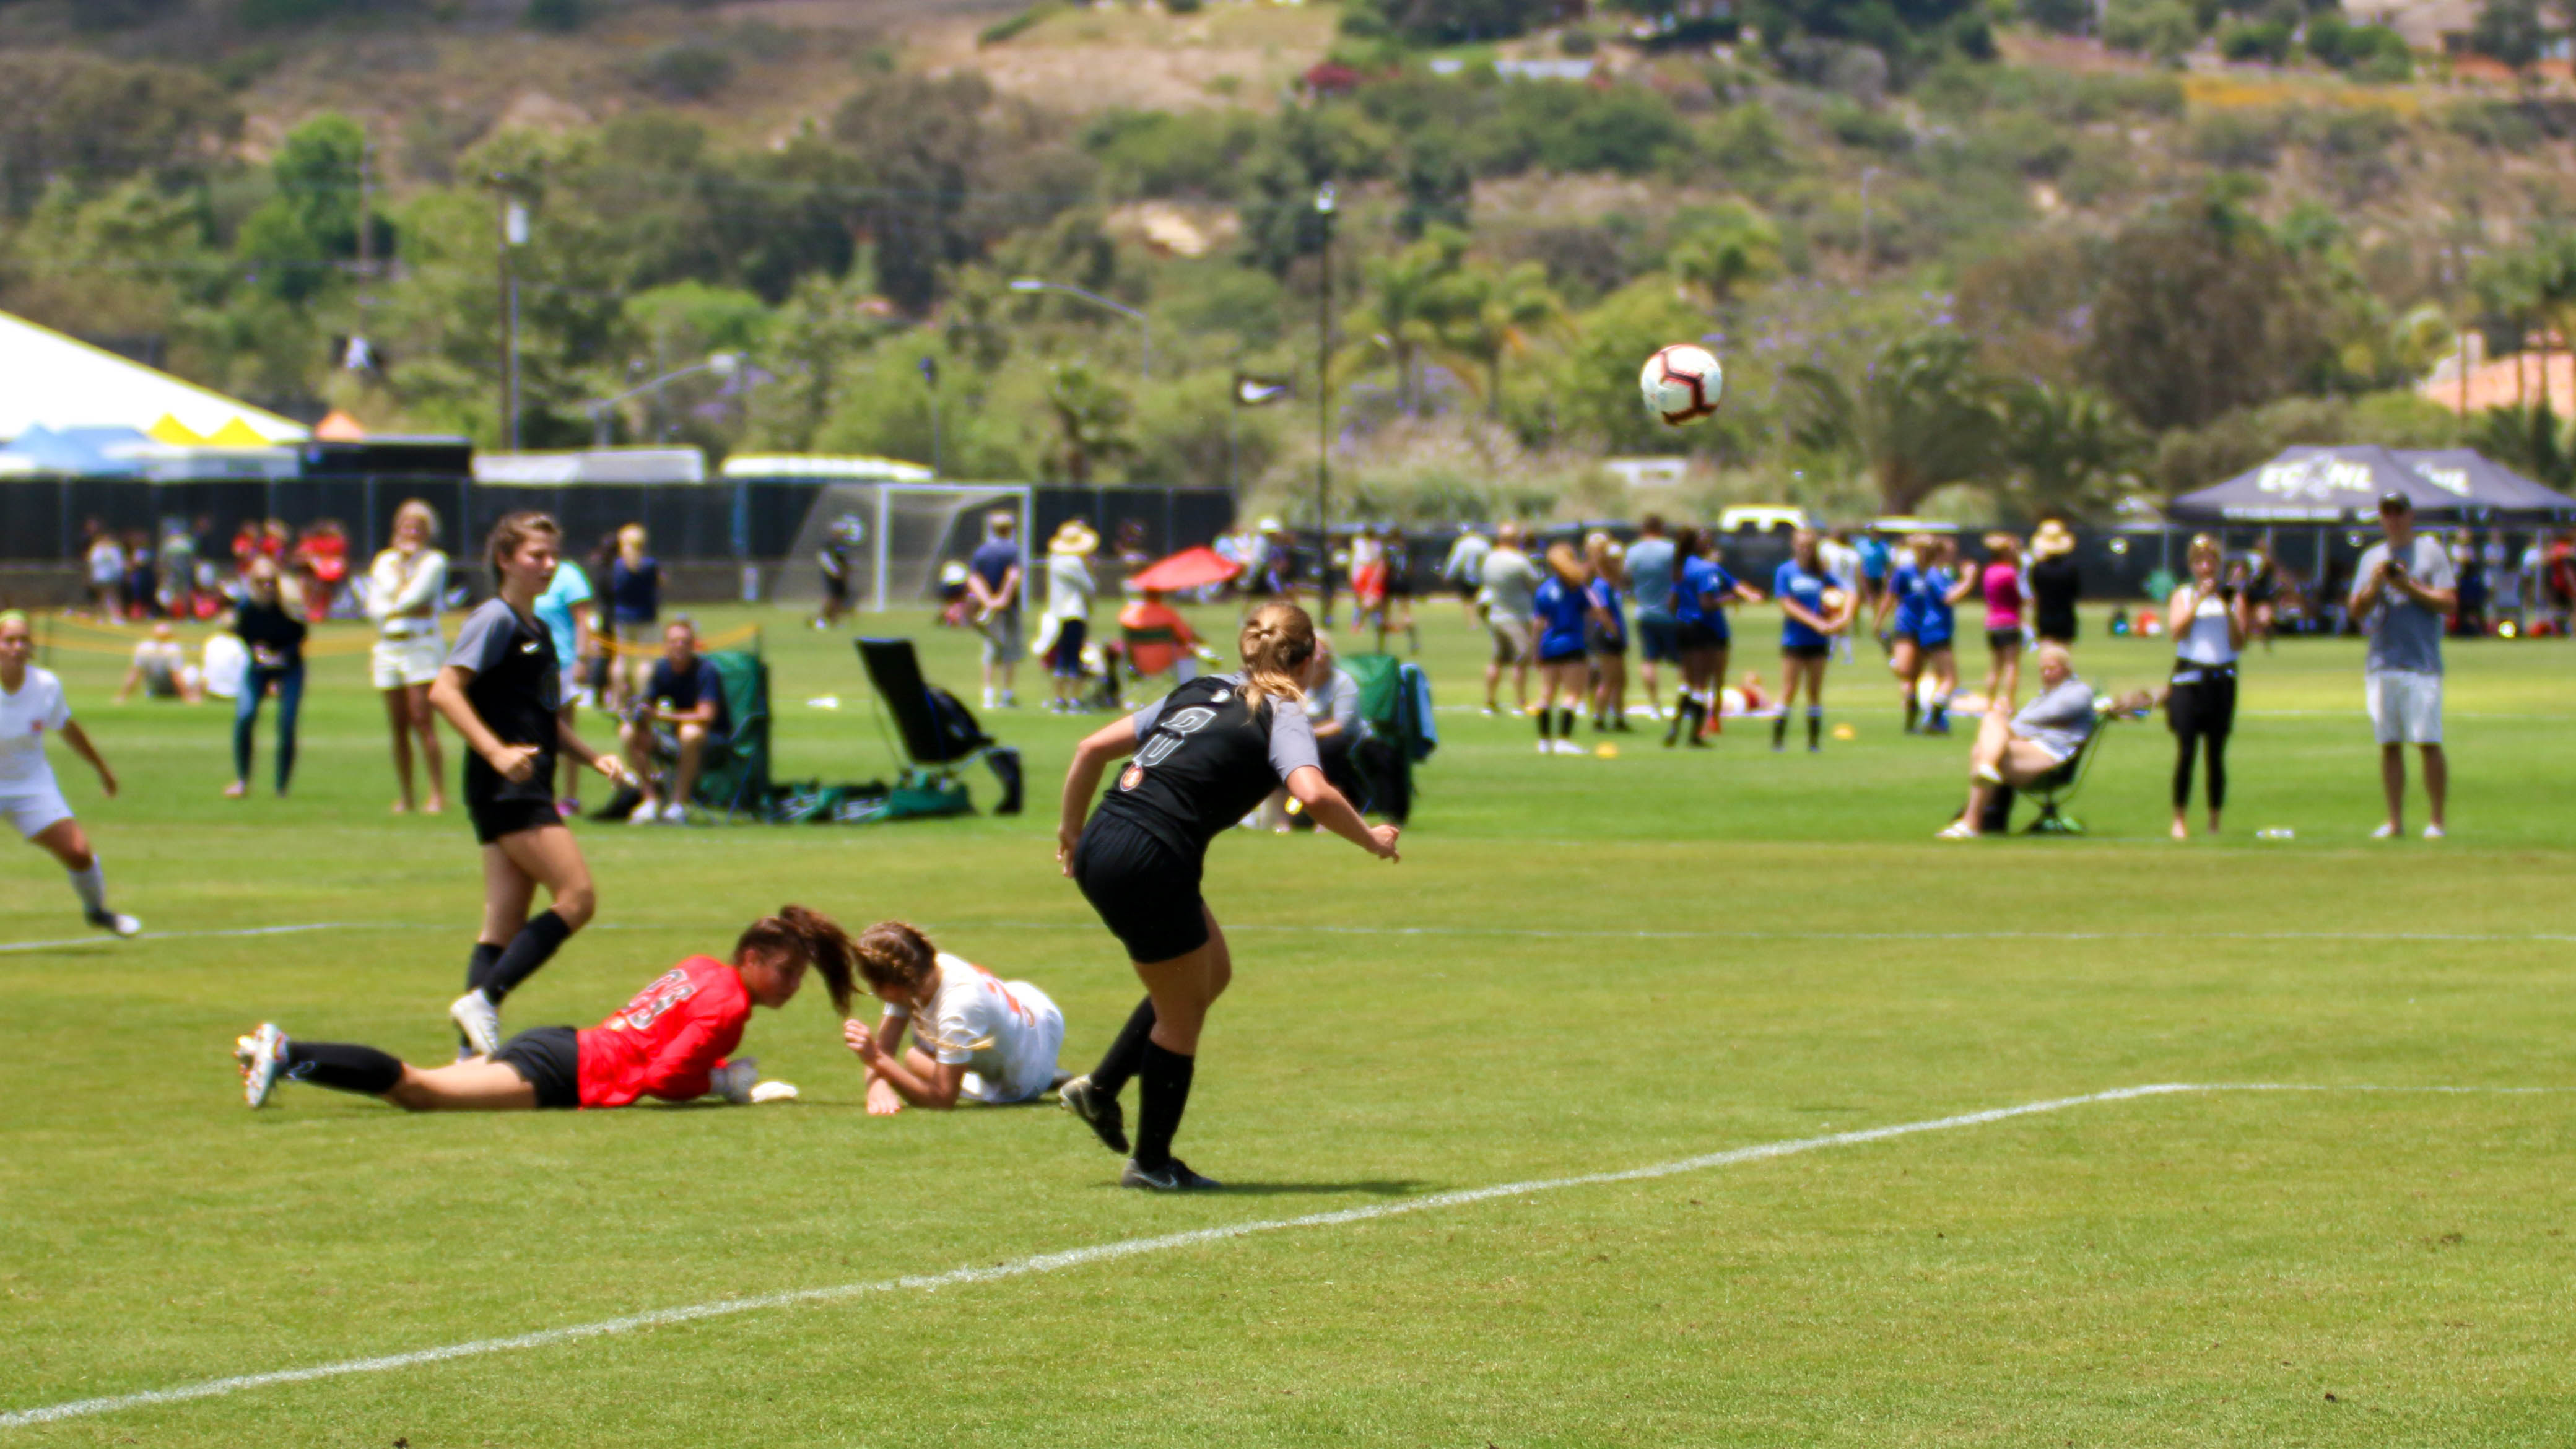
{"type": "Point", "coordinates": [477, 1085]}
{"type": "Point", "coordinates": [2392, 783]}
{"type": "Point", "coordinates": [408, 716]}
{"type": "Point", "coordinates": [516, 864]}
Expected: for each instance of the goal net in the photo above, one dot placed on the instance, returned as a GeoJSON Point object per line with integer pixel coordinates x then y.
{"type": "Point", "coordinates": [895, 537]}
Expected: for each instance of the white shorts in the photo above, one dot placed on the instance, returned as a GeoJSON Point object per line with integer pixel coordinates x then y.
{"type": "Point", "coordinates": [576, 688]}
{"type": "Point", "coordinates": [2405, 707]}
{"type": "Point", "coordinates": [401, 663]}
{"type": "Point", "coordinates": [37, 808]}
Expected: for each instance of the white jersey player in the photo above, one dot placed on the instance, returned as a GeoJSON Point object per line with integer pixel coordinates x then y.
{"type": "Point", "coordinates": [975, 1035]}
{"type": "Point", "coordinates": [32, 707]}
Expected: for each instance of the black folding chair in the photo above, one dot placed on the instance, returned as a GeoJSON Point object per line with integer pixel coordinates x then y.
{"type": "Point", "coordinates": [938, 731]}
{"type": "Point", "coordinates": [2052, 791]}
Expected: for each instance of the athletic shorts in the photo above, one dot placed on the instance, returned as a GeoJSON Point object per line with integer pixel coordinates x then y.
{"type": "Point", "coordinates": [1064, 660]}
{"type": "Point", "coordinates": [1146, 892]}
{"type": "Point", "coordinates": [496, 818]}
{"type": "Point", "coordinates": [576, 686]}
{"type": "Point", "coordinates": [1002, 639]}
{"type": "Point", "coordinates": [2002, 639]}
{"type": "Point", "coordinates": [836, 588]}
{"type": "Point", "coordinates": [1925, 640]}
{"type": "Point", "coordinates": [1806, 651]}
{"type": "Point", "coordinates": [547, 1058]}
{"type": "Point", "coordinates": [1562, 654]}
{"type": "Point", "coordinates": [637, 636]}
{"type": "Point", "coordinates": [1693, 637]}
{"type": "Point", "coordinates": [1608, 648]}
{"type": "Point", "coordinates": [1512, 644]}
{"type": "Point", "coordinates": [2405, 706]}
{"type": "Point", "coordinates": [1656, 641]}
{"type": "Point", "coordinates": [35, 807]}
{"type": "Point", "coordinates": [407, 661]}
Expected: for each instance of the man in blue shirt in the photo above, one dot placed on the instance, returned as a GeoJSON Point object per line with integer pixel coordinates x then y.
{"type": "Point", "coordinates": [683, 706]}
{"type": "Point", "coordinates": [1650, 593]}
{"type": "Point", "coordinates": [572, 618]}
{"type": "Point", "coordinates": [993, 580]}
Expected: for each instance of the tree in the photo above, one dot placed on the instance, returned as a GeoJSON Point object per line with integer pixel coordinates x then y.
{"type": "Point", "coordinates": [917, 141]}
{"type": "Point", "coordinates": [88, 123]}
{"type": "Point", "coordinates": [2512, 33]}
{"type": "Point", "coordinates": [1725, 248]}
{"type": "Point", "coordinates": [1413, 302]}
{"type": "Point", "coordinates": [816, 331]}
{"type": "Point", "coordinates": [1091, 419]}
{"type": "Point", "coordinates": [2069, 450]}
{"type": "Point", "coordinates": [1438, 188]}
{"type": "Point", "coordinates": [2201, 311]}
{"type": "Point", "coordinates": [1920, 416]}
{"type": "Point", "coordinates": [1501, 315]}
{"type": "Point", "coordinates": [299, 239]}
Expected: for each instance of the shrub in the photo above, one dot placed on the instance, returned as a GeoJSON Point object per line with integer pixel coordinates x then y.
{"type": "Point", "coordinates": [687, 70]}
{"type": "Point", "coordinates": [560, 16]}
{"type": "Point", "coordinates": [2244, 140]}
{"type": "Point", "coordinates": [1012, 26]}
{"type": "Point", "coordinates": [1859, 126]}
{"type": "Point", "coordinates": [2164, 29]}
{"type": "Point", "coordinates": [2266, 41]}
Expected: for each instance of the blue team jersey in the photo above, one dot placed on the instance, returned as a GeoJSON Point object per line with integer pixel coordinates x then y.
{"type": "Point", "coordinates": [1935, 621]}
{"type": "Point", "coordinates": [1905, 587]}
{"type": "Point", "coordinates": [1793, 582]}
{"type": "Point", "coordinates": [1873, 557]}
{"type": "Point", "coordinates": [1560, 608]}
{"type": "Point", "coordinates": [1699, 597]}
{"type": "Point", "coordinates": [1603, 596]}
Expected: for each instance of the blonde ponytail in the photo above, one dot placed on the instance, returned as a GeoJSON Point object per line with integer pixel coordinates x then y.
{"type": "Point", "coordinates": [1277, 641]}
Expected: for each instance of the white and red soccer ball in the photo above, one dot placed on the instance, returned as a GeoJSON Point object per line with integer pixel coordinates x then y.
{"type": "Point", "coordinates": [1682, 383]}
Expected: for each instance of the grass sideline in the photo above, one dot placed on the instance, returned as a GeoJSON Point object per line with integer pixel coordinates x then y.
{"type": "Point", "coordinates": [1582, 965]}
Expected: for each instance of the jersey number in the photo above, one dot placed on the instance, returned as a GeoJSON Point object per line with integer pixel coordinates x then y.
{"type": "Point", "coordinates": [673, 988]}
{"type": "Point", "coordinates": [1174, 730]}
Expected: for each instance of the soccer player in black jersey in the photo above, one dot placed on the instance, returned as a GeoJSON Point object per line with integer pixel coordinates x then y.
{"type": "Point", "coordinates": [1211, 751]}
{"type": "Point", "coordinates": [501, 688]}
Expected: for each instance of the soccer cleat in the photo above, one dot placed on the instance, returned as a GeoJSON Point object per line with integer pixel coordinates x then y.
{"type": "Point", "coordinates": [480, 1020]}
{"type": "Point", "coordinates": [2435, 832]}
{"type": "Point", "coordinates": [115, 923]}
{"type": "Point", "coordinates": [675, 814]}
{"type": "Point", "coordinates": [2384, 832]}
{"type": "Point", "coordinates": [1098, 1110]}
{"type": "Point", "coordinates": [1174, 1176]}
{"type": "Point", "coordinates": [262, 1055]}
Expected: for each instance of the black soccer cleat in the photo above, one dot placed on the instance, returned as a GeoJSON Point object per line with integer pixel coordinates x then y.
{"type": "Point", "coordinates": [1098, 1110]}
{"type": "Point", "coordinates": [1173, 1176]}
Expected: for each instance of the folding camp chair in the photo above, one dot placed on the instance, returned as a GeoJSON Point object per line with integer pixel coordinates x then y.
{"type": "Point", "coordinates": [733, 769]}
{"type": "Point", "coordinates": [938, 731]}
{"type": "Point", "coordinates": [2052, 791]}
{"type": "Point", "coordinates": [1396, 731]}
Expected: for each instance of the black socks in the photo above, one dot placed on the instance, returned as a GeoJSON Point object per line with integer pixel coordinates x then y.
{"type": "Point", "coordinates": [478, 966]}
{"type": "Point", "coordinates": [343, 1068]}
{"type": "Point", "coordinates": [531, 948]}
{"type": "Point", "coordinates": [1565, 724]}
{"type": "Point", "coordinates": [1125, 1052]}
{"type": "Point", "coordinates": [1780, 728]}
{"type": "Point", "coordinates": [1815, 725]}
{"type": "Point", "coordinates": [1913, 709]}
{"type": "Point", "coordinates": [1688, 715]}
{"type": "Point", "coordinates": [1165, 1092]}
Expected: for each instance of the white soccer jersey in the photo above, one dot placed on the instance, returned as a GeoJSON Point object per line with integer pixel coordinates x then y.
{"type": "Point", "coordinates": [26, 717]}
{"type": "Point", "coordinates": [1005, 1033]}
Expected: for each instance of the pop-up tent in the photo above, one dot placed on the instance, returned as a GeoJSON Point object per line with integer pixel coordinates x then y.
{"type": "Point", "coordinates": [51, 381]}
{"type": "Point", "coordinates": [2336, 485]}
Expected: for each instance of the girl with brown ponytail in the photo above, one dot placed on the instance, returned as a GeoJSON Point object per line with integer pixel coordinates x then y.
{"type": "Point", "coordinates": [1205, 756]}
{"type": "Point", "coordinates": [670, 1041]}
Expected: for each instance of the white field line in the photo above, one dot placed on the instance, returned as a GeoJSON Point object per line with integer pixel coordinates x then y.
{"type": "Point", "coordinates": [1138, 1247]}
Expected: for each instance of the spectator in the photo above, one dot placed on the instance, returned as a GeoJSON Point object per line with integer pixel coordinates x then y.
{"type": "Point", "coordinates": [142, 587]}
{"type": "Point", "coordinates": [634, 610]}
{"type": "Point", "coordinates": [1368, 583]}
{"type": "Point", "coordinates": [994, 581]}
{"type": "Point", "coordinates": [2055, 583]}
{"type": "Point", "coordinates": [1278, 561]}
{"type": "Point", "coordinates": [1399, 591]}
{"type": "Point", "coordinates": [2016, 749]}
{"type": "Point", "coordinates": [1649, 572]}
{"type": "Point", "coordinates": [270, 623]}
{"type": "Point", "coordinates": [1240, 547]}
{"type": "Point", "coordinates": [2405, 591]}
{"type": "Point", "coordinates": [2562, 582]}
{"type": "Point", "coordinates": [161, 669]}
{"type": "Point", "coordinates": [1605, 631]}
{"type": "Point", "coordinates": [682, 706]}
{"type": "Point", "coordinates": [178, 571]}
{"type": "Point", "coordinates": [2263, 592]}
{"type": "Point", "coordinates": [322, 563]}
{"type": "Point", "coordinates": [405, 587]}
{"type": "Point", "coordinates": [571, 616]}
{"type": "Point", "coordinates": [1507, 594]}
{"type": "Point", "coordinates": [1999, 583]}
{"type": "Point", "coordinates": [2209, 622]}
{"type": "Point", "coordinates": [1464, 569]}
{"type": "Point", "coordinates": [1157, 638]}
{"type": "Point", "coordinates": [1068, 611]}
{"type": "Point", "coordinates": [837, 558]}
{"type": "Point", "coordinates": [2504, 583]}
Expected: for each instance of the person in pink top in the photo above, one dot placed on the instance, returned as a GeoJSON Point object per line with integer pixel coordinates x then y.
{"type": "Point", "coordinates": [2000, 583]}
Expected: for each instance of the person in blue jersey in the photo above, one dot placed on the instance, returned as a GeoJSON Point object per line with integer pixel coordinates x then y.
{"type": "Point", "coordinates": [1898, 619]}
{"type": "Point", "coordinates": [1814, 607]}
{"type": "Point", "coordinates": [1944, 584]}
{"type": "Point", "coordinates": [1876, 567]}
{"type": "Point", "coordinates": [1606, 632]}
{"type": "Point", "coordinates": [1558, 617]}
{"type": "Point", "coordinates": [1702, 588]}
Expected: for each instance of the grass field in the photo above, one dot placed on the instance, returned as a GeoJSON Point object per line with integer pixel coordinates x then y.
{"type": "Point", "coordinates": [1582, 966]}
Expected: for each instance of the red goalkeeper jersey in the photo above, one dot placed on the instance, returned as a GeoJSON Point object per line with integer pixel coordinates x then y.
{"type": "Point", "coordinates": [666, 1041]}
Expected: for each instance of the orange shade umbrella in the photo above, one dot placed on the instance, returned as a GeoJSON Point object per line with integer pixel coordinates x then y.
{"type": "Point", "coordinates": [1191, 568]}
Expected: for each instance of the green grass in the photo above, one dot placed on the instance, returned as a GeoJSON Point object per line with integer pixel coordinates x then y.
{"type": "Point", "coordinates": [1616, 963]}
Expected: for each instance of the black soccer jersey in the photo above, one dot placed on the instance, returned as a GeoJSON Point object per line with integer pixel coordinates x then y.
{"type": "Point", "coordinates": [517, 688]}
{"type": "Point", "coordinates": [1204, 760]}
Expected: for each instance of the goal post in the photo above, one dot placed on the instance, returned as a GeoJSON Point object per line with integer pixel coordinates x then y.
{"type": "Point", "coordinates": [906, 532]}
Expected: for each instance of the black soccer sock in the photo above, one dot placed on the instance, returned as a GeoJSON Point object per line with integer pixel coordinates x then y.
{"type": "Point", "coordinates": [1913, 708]}
{"type": "Point", "coordinates": [1544, 717]}
{"type": "Point", "coordinates": [1815, 725]}
{"type": "Point", "coordinates": [1126, 1050]}
{"type": "Point", "coordinates": [531, 948]}
{"type": "Point", "coordinates": [1681, 717]}
{"type": "Point", "coordinates": [341, 1067]}
{"type": "Point", "coordinates": [1780, 728]}
{"type": "Point", "coordinates": [1940, 710]}
{"type": "Point", "coordinates": [1565, 724]}
{"type": "Point", "coordinates": [478, 966]}
{"type": "Point", "coordinates": [1164, 1094]}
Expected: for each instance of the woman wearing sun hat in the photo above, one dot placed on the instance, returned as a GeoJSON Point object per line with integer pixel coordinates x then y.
{"type": "Point", "coordinates": [1068, 610]}
{"type": "Point", "coordinates": [2055, 583]}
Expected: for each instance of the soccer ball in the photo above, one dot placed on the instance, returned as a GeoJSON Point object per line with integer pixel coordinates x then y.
{"type": "Point", "coordinates": [1682, 382]}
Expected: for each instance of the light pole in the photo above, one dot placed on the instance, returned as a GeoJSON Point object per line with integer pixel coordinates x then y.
{"type": "Point", "coordinates": [513, 219]}
{"type": "Point", "coordinates": [1324, 208]}
{"type": "Point", "coordinates": [1026, 285]}
{"type": "Point", "coordinates": [722, 364]}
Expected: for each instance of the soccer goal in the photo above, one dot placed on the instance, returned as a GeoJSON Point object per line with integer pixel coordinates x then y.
{"type": "Point", "coordinates": [903, 533]}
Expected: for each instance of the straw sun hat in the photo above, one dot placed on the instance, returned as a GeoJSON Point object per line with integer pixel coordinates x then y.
{"type": "Point", "coordinates": [2052, 540]}
{"type": "Point", "coordinates": [1075, 537]}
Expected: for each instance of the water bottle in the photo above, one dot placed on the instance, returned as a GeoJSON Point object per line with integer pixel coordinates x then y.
{"type": "Point", "coordinates": [2276, 833]}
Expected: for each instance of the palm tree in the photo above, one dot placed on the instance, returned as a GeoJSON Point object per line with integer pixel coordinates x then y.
{"type": "Point", "coordinates": [1414, 298]}
{"type": "Point", "coordinates": [2070, 450]}
{"type": "Point", "coordinates": [1505, 312]}
{"type": "Point", "coordinates": [1919, 417]}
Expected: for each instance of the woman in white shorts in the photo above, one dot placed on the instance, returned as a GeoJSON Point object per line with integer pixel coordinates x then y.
{"type": "Point", "coordinates": [977, 1037]}
{"type": "Point", "coordinates": [31, 707]}
{"type": "Point", "coordinates": [404, 591]}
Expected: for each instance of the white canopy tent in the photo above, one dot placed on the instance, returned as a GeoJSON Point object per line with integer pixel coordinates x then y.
{"type": "Point", "coordinates": [52, 381]}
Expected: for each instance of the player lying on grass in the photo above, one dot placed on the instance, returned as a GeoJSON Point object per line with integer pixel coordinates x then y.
{"type": "Point", "coordinates": [979, 1037]}
{"type": "Point", "coordinates": [669, 1042]}
{"type": "Point", "coordinates": [2017, 749]}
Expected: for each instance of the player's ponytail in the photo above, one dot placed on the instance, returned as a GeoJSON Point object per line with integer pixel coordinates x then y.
{"type": "Point", "coordinates": [1277, 642]}
{"type": "Point", "coordinates": [810, 934]}
{"type": "Point", "coordinates": [894, 953]}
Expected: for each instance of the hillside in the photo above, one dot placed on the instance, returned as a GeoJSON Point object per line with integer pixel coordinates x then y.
{"type": "Point", "coordinates": [839, 189]}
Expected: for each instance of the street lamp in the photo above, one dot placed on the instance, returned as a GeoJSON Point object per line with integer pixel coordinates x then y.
{"type": "Point", "coordinates": [722, 364]}
{"type": "Point", "coordinates": [1324, 208]}
{"type": "Point", "coordinates": [1026, 285]}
